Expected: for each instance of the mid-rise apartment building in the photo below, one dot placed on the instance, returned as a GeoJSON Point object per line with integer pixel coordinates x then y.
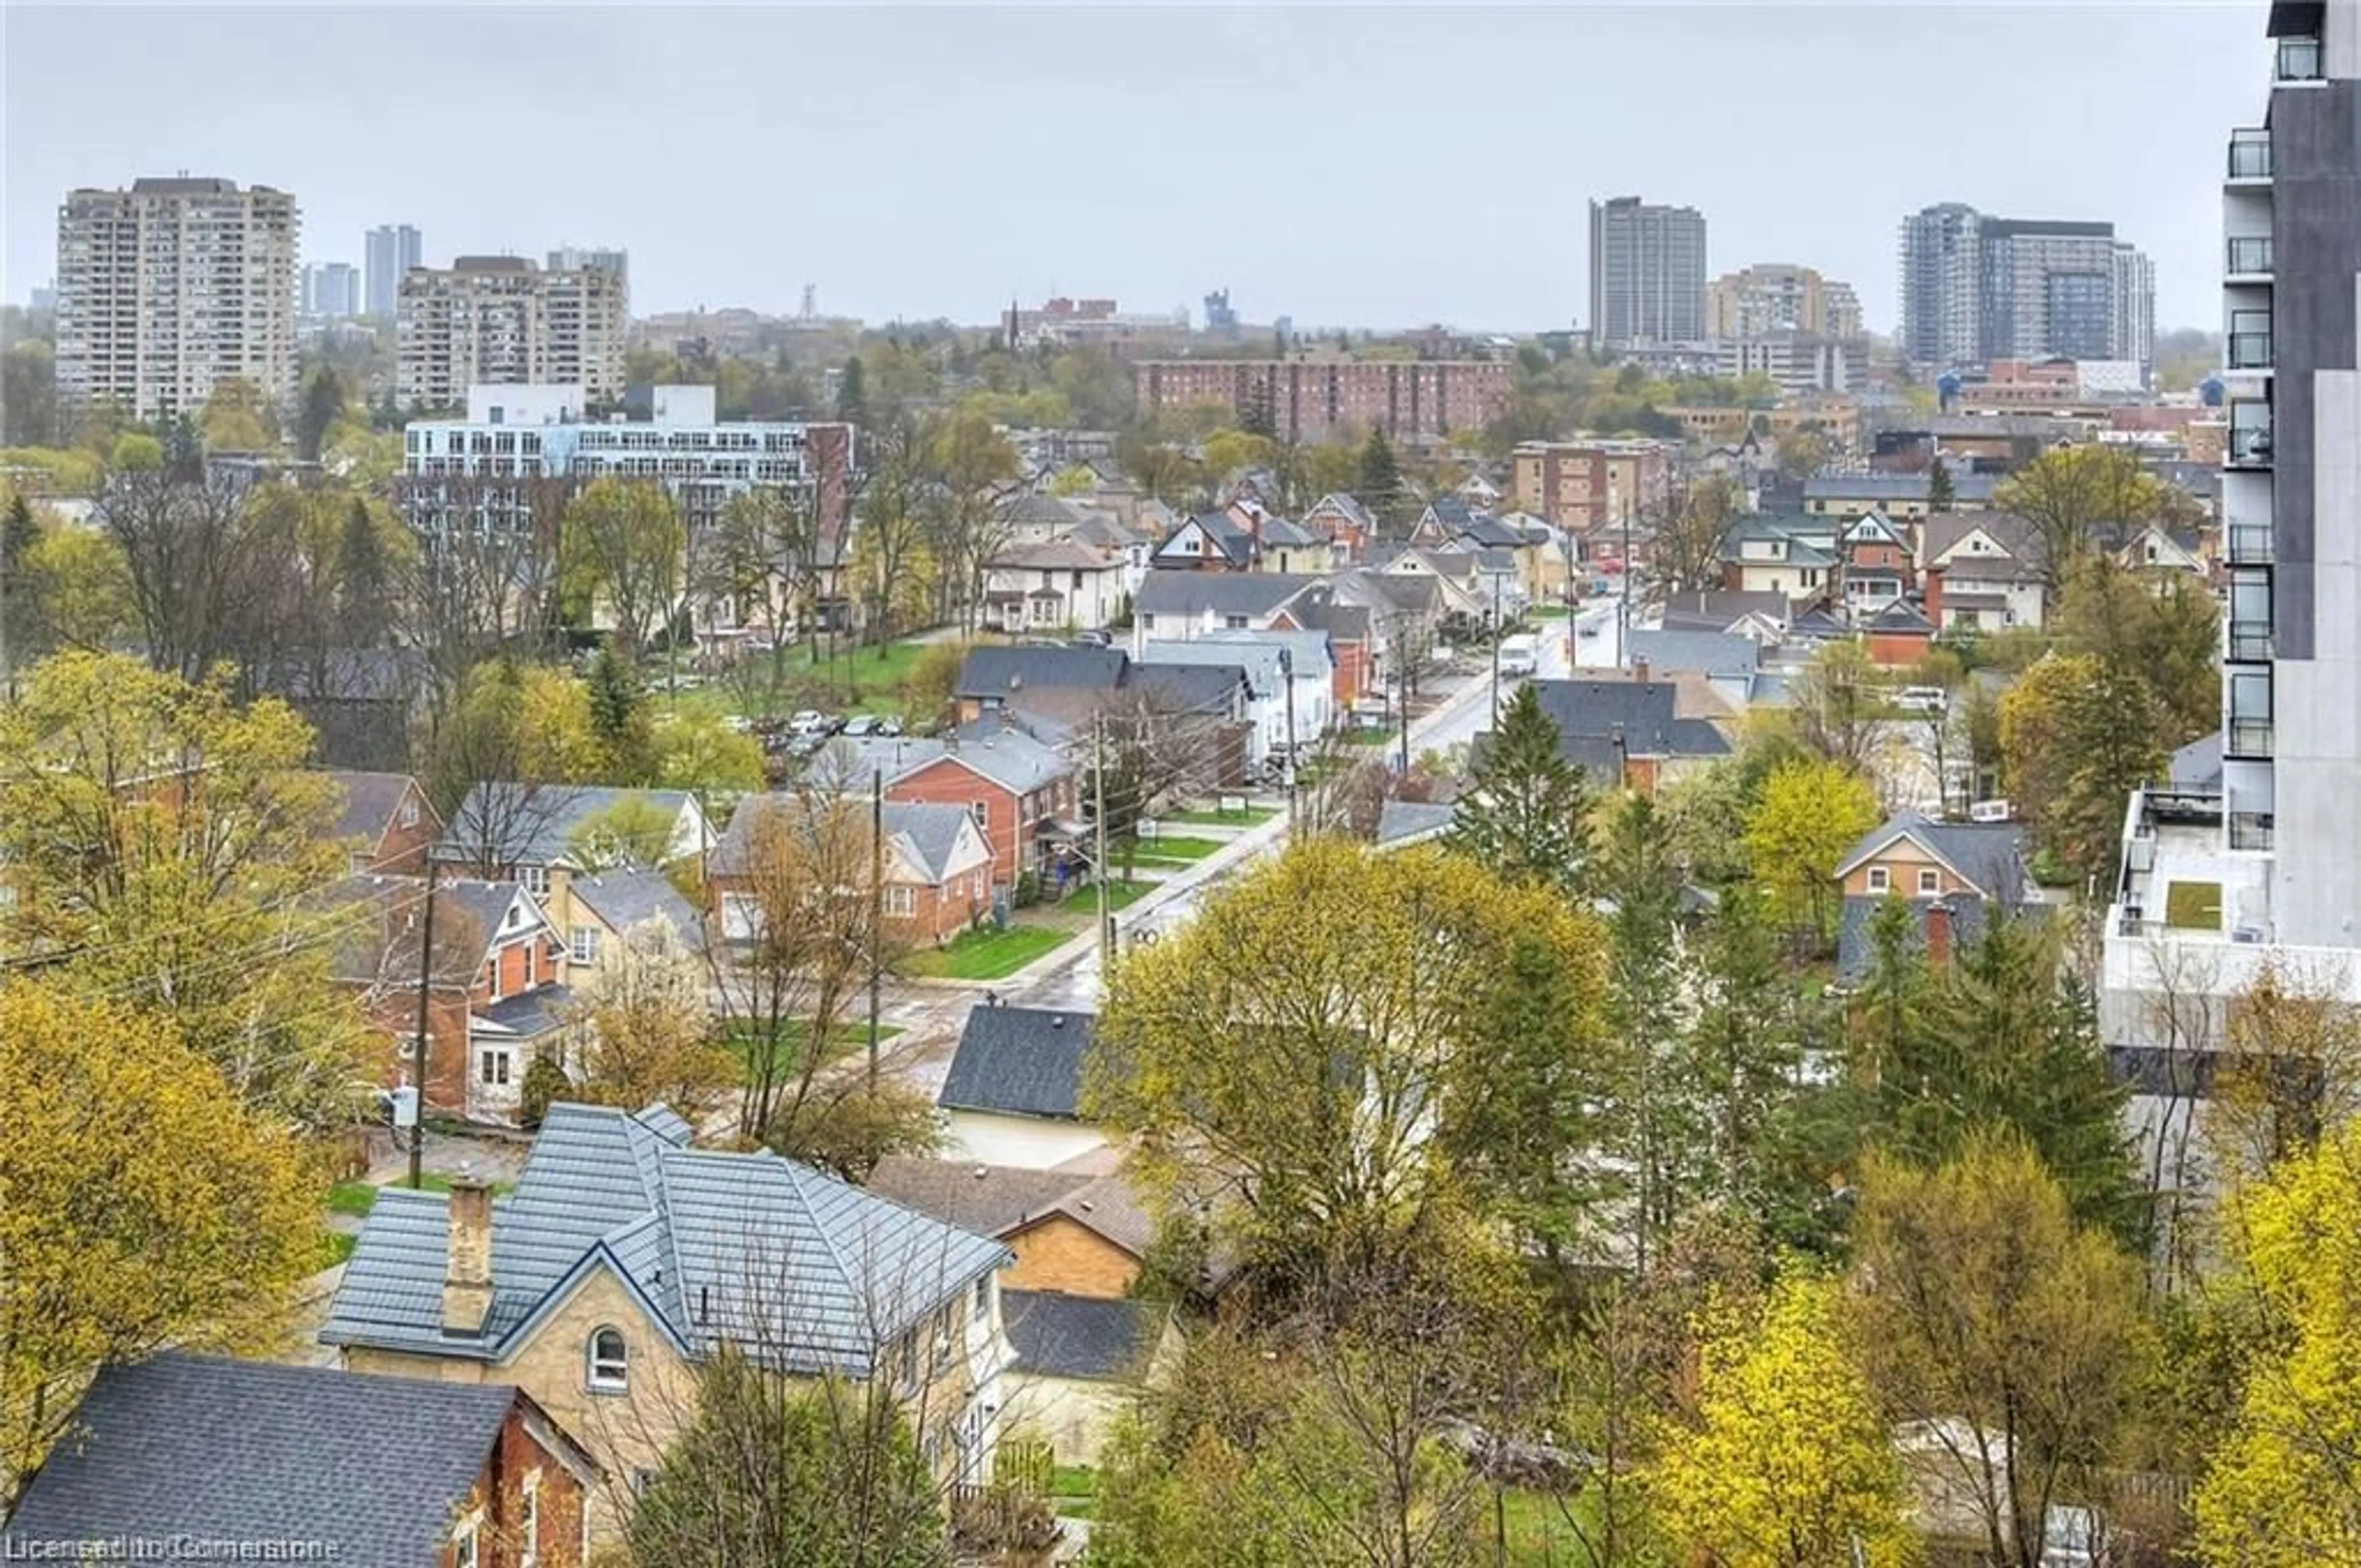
{"type": "Point", "coordinates": [391, 250]}
{"type": "Point", "coordinates": [1591, 486]}
{"type": "Point", "coordinates": [1977, 288]}
{"type": "Point", "coordinates": [2248, 858]}
{"type": "Point", "coordinates": [1312, 400]}
{"type": "Point", "coordinates": [1647, 273]}
{"type": "Point", "coordinates": [501, 319]}
{"type": "Point", "coordinates": [171, 287]}
{"type": "Point", "coordinates": [1777, 296]}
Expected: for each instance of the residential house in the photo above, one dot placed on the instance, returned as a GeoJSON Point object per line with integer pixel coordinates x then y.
{"type": "Point", "coordinates": [1728, 664]}
{"type": "Point", "coordinates": [1034, 518]}
{"type": "Point", "coordinates": [1025, 795]}
{"type": "Point", "coordinates": [1626, 733]}
{"type": "Point", "coordinates": [1444, 521]}
{"type": "Point", "coordinates": [1982, 569]}
{"type": "Point", "coordinates": [1479, 491]}
{"type": "Point", "coordinates": [1351, 644]}
{"type": "Point", "coordinates": [1208, 713]}
{"type": "Point", "coordinates": [1178, 606]}
{"type": "Point", "coordinates": [1405, 621]}
{"type": "Point", "coordinates": [1013, 1093]}
{"type": "Point", "coordinates": [543, 836]}
{"type": "Point", "coordinates": [1893, 495]}
{"type": "Point", "coordinates": [1209, 542]}
{"type": "Point", "coordinates": [1309, 663]}
{"type": "Point", "coordinates": [1762, 618]}
{"type": "Point", "coordinates": [1958, 876]}
{"type": "Point", "coordinates": [616, 911]}
{"type": "Point", "coordinates": [1402, 823]}
{"type": "Point", "coordinates": [937, 867]}
{"type": "Point", "coordinates": [321, 1464]}
{"type": "Point", "coordinates": [1055, 584]}
{"type": "Point", "coordinates": [1082, 1341]}
{"type": "Point", "coordinates": [1464, 585]}
{"type": "Point", "coordinates": [1792, 555]}
{"type": "Point", "coordinates": [1063, 684]}
{"type": "Point", "coordinates": [1289, 548]}
{"type": "Point", "coordinates": [2165, 555]}
{"type": "Point", "coordinates": [1269, 685]}
{"type": "Point", "coordinates": [1899, 634]}
{"type": "Point", "coordinates": [1877, 567]}
{"type": "Point", "coordinates": [1349, 527]}
{"type": "Point", "coordinates": [625, 1259]}
{"type": "Point", "coordinates": [387, 820]}
{"type": "Point", "coordinates": [497, 991]}
{"type": "Point", "coordinates": [1130, 546]}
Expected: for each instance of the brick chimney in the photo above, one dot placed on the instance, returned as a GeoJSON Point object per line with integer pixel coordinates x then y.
{"type": "Point", "coordinates": [1640, 671]}
{"type": "Point", "coordinates": [1933, 596]}
{"type": "Point", "coordinates": [467, 1258]}
{"type": "Point", "coordinates": [1939, 932]}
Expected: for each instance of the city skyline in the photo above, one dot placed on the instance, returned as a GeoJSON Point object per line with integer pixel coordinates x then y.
{"type": "Point", "coordinates": [910, 214]}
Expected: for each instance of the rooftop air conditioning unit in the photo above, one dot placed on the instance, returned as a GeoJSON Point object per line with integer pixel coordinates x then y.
{"type": "Point", "coordinates": [2252, 935]}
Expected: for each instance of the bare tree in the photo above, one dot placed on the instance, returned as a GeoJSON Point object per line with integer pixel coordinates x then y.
{"type": "Point", "coordinates": [484, 578]}
{"type": "Point", "coordinates": [193, 556]}
{"type": "Point", "coordinates": [1685, 533]}
{"type": "Point", "coordinates": [892, 526]}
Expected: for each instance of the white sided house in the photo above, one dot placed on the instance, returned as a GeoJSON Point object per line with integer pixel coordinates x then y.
{"type": "Point", "coordinates": [1013, 1092]}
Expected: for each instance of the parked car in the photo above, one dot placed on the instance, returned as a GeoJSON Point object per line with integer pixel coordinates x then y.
{"type": "Point", "coordinates": [863, 724]}
{"type": "Point", "coordinates": [888, 725]}
{"type": "Point", "coordinates": [1923, 699]}
{"type": "Point", "coordinates": [810, 721]}
{"type": "Point", "coordinates": [1092, 640]}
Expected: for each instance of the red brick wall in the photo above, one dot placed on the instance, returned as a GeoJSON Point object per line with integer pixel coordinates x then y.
{"type": "Point", "coordinates": [499, 1492]}
{"type": "Point", "coordinates": [403, 851]}
{"type": "Point", "coordinates": [949, 783]}
{"type": "Point", "coordinates": [1891, 648]}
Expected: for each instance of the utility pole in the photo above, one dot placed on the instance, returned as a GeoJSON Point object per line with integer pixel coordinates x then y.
{"type": "Point", "coordinates": [1099, 832]}
{"type": "Point", "coordinates": [876, 908]}
{"type": "Point", "coordinates": [1496, 629]}
{"type": "Point", "coordinates": [1287, 679]}
{"type": "Point", "coordinates": [418, 1045]}
{"type": "Point", "coordinates": [1405, 727]}
{"type": "Point", "coordinates": [1623, 609]}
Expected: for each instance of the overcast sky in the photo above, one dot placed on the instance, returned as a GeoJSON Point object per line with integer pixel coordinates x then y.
{"type": "Point", "coordinates": [1381, 167]}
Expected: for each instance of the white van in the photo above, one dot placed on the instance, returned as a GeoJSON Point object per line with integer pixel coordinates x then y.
{"type": "Point", "coordinates": [1923, 699]}
{"type": "Point", "coordinates": [1992, 811]}
{"type": "Point", "coordinates": [1521, 654]}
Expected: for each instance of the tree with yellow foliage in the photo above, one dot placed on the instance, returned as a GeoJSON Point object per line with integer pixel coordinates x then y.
{"type": "Point", "coordinates": [166, 847]}
{"type": "Point", "coordinates": [2284, 1487]}
{"type": "Point", "coordinates": [140, 1206]}
{"type": "Point", "coordinates": [1810, 814]}
{"type": "Point", "coordinates": [1786, 1464]}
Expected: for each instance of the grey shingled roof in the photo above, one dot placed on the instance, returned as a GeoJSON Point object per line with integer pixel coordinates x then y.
{"type": "Point", "coordinates": [1309, 648]}
{"type": "Point", "coordinates": [1991, 855]}
{"type": "Point", "coordinates": [1856, 952]}
{"type": "Point", "coordinates": [532, 1013]}
{"type": "Point", "coordinates": [1000, 1201]}
{"type": "Point", "coordinates": [1004, 672]}
{"type": "Point", "coordinates": [1056, 1335]}
{"type": "Point", "coordinates": [1021, 1061]}
{"type": "Point", "coordinates": [626, 899]}
{"type": "Point", "coordinates": [187, 1445]}
{"type": "Point", "coordinates": [370, 800]}
{"type": "Point", "coordinates": [797, 1268]}
{"type": "Point", "coordinates": [1009, 758]}
{"type": "Point", "coordinates": [1223, 593]}
{"type": "Point", "coordinates": [1189, 688]}
{"type": "Point", "coordinates": [1965, 486]}
{"type": "Point", "coordinates": [1258, 660]}
{"type": "Point", "coordinates": [541, 819]}
{"type": "Point", "coordinates": [1411, 822]}
{"type": "Point", "coordinates": [1697, 653]}
{"type": "Point", "coordinates": [1717, 609]}
{"type": "Point", "coordinates": [1640, 710]}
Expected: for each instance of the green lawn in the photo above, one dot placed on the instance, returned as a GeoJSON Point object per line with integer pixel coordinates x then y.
{"type": "Point", "coordinates": [855, 681]}
{"type": "Point", "coordinates": [852, 1034]}
{"type": "Point", "coordinates": [1250, 817]}
{"type": "Point", "coordinates": [1546, 612]}
{"type": "Point", "coordinates": [1179, 846]}
{"type": "Point", "coordinates": [356, 1198]}
{"type": "Point", "coordinates": [2193, 906]}
{"type": "Point", "coordinates": [1073, 1490]}
{"type": "Point", "coordinates": [1537, 1530]}
{"type": "Point", "coordinates": [340, 1247]}
{"type": "Point", "coordinates": [1367, 736]}
{"type": "Point", "coordinates": [985, 954]}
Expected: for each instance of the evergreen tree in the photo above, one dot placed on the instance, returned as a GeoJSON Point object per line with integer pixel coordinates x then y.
{"type": "Point", "coordinates": [852, 394]}
{"type": "Point", "coordinates": [1526, 812]}
{"type": "Point", "coordinates": [1942, 494]}
{"type": "Point", "coordinates": [1652, 1128]}
{"type": "Point", "coordinates": [323, 404]}
{"type": "Point", "coordinates": [619, 715]}
{"type": "Point", "coordinates": [364, 582]}
{"type": "Point", "coordinates": [19, 534]}
{"type": "Point", "coordinates": [1381, 475]}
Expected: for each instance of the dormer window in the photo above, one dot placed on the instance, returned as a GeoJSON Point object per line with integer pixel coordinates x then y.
{"type": "Point", "coordinates": [609, 1368]}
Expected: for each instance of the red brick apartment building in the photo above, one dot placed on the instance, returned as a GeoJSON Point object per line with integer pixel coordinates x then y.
{"type": "Point", "coordinates": [1314, 400]}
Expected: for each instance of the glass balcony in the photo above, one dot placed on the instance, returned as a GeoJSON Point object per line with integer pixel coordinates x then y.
{"type": "Point", "coordinates": [2250, 544]}
{"type": "Point", "coordinates": [2298, 59]}
{"type": "Point", "coordinates": [2250, 446]}
{"type": "Point", "coordinates": [2250, 829]}
{"type": "Point", "coordinates": [2250, 642]}
{"type": "Point", "coordinates": [2247, 738]}
{"type": "Point", "coordinates": [2250, 257]}
{"type": "Point", "coordinates": [2250, 351]}
{"type": "Point", "coordinates": [2250, 154]}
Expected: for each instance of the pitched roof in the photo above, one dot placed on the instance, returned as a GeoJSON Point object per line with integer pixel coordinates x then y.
{"type": "Point", "coordinates": [634, 897]}
{"type": "Point", "coordinates": [1259, 660]}
{"type": "Point", "coordinates": [930, 830]}
{"type": "Point", "coordinates": [1064, 553]}
{"type": "Point", "coordinates": [1056, 1335]}
{"type": "Point", "coordinates": [1642, 712]}
{"type": "Point", "coordinates": [1717, 609]}
{"type": "Point", "coordinates": [1222, 533]}
{"type": "Point", "coordinates": [200, 1446]}
{"type": "Point", "coordinates": [1009, 758]}
{"type": "Point", "coordinates": [1285, 531]}
{"type": "Point", "coordinates": [1699, 652]}
{"type": "Point", "coordinates": [370, 800]}
{"type": "Point", "coordinates": [535, 825]}
{"type": "Point", "coordinates": [1221, 593]}
{"type": "Point", "coordinates": [1401, 823]}
{"type": "Point", "coordinates": [1346, 506]}
{"type": "Point", "coordinates": [1966, 486]}
{"type": "Point", "coordinates": [1308, 648]}
{"type": "Point", "coordinates": [1104, 531]}
{"type": "Point", "coordinates": [1187, 688]}
{"type": "Point", "coordinates": [1035, 509]}
{"type": "Point", "coordinates": [1989, 855]}
{"type": "Point", "coordinates": [1000, 1199]}
{"type": "Point", "coordinates": [1003, 671]}
{"type": "Point", "coordinates": [1941, 533]}
{"type": "Point", "coordinates": [1855, 950]}
{"type": "Point", "coordinates": [799, 1268]}
{"type": "Point", "coordinates": [1020, 1062]}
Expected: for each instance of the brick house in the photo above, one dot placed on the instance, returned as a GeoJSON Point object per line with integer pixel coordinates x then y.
{"type": "Point", "coordinates": [386, 819]}
{"type": "Point", "coordinates": [1875, 558]}
{"type": "Point", "coordinates": [1339, 518]}
{"type": "Point", "coordinates": [625, 1258]}
{"type": "Point", "coordinates": [1023, 794]}
{"type": "Point", "coordinates": [497, 991]}
{"type": "Point", "coordinates": [938, 867]}
{"type": "Point", "coordinates": [334, 1465]}
{"type": "Point", "coordinates": [543, 836]}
